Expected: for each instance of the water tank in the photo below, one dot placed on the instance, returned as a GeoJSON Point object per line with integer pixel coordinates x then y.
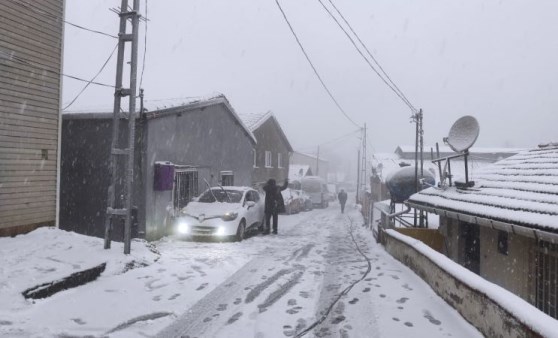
{"type": "Point", "coordinates": [401, 183]}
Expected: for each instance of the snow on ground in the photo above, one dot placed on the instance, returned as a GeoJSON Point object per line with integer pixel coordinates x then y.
{"type": "Point", "coordinates": [266, 286]}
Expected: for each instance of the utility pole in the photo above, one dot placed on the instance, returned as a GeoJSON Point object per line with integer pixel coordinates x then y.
{"type": "Point", "coordinates": [358, 175]}
{"type": "Point", "coordinates": [120, 191]}
{"type": "Point", "coordinates": [363, 163]}
{"type": "Point", "coordinates": [318, 162]}
{"type": "Point", "coordinates": [419, 146]}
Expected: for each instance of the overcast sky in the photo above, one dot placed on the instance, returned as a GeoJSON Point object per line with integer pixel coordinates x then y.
{"type": "Point", "coordinates": [495, 60]}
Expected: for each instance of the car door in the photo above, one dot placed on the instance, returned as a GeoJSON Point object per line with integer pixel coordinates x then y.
{"type": "Point", "coordinates": [259, 207]}
{"type": "Point", "coordinates": [251, 212]}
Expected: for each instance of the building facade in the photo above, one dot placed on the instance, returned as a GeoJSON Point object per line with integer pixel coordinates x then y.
{"type": "Point", "coordinates": [179, 152]}
{"type": "Point", "coordinates": [271, 157]}
{"type": "Point", "coordinates": [30, 89]}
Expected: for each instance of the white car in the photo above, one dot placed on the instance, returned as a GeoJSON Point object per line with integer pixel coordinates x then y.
{"type": "Point", "coordinates": [222, 212]}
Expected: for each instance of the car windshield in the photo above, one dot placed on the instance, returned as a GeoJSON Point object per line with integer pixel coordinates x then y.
{"type": "Point", "coordinates": [311, 186]}
{"type": "Point", "coordinates": [222, 195]}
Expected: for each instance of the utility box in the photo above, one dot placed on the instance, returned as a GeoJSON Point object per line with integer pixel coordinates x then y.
{"type": "Point", "coordinates": [164, 176]}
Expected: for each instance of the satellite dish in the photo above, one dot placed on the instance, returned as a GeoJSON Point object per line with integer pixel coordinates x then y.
{"type": "Point", "coordinates": [463, 134]}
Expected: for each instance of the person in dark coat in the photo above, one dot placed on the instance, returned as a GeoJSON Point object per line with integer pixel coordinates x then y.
{"type": "Point", "coordinates": [274, 203]}
{"type": "Point", "coordinates": [342, 197]}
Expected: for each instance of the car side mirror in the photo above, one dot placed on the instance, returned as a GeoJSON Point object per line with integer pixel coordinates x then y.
{"type": "Point", "coordinates": [250, 204]}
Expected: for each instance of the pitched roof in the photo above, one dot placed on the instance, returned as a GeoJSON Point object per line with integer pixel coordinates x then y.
{"type": "Point", "coordinates": [185, 106]}
{"type": "Point", "coordinates": [521, 190]}
{"type": "Point", "coordinates": [255, 120]}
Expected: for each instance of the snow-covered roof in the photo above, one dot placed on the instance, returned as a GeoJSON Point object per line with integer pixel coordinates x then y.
{"type": "Point", "coordinates": [295, 171]}
{"type": "Point", "coordinates": [181, 106]}
{"type": "Point", "coordinates": [521, 190]}
{"type": "Point", "coordinates": [473, 150]}
{"type": "Point", "coordinates": [255, 120]}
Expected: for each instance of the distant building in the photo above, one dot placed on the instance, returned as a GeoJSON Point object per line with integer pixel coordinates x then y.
{"type": "Point", "coordinates": [273, 150]}
{"type": "Point", "coordinates": [179, 151]}
{"type": "Point", "coordinates": [31, 35]}
{"type": "Point", "coordinates": [318, 166]}
{"type": "Point", "coordinates": [505, 228]}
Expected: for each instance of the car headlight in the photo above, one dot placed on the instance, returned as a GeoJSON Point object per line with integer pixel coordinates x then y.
{"type": "Point", "coordinates": [229, 216]}
{"type": "Point", "coordinates": [183, 228]}
{"type": "Point", "coordinates": [220, 231]}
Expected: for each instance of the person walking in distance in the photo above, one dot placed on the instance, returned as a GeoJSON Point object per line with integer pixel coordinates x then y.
{"type": "Point", "coordinates": [342, 197]}
{"type": "Point", "coordinates": [274, 203]}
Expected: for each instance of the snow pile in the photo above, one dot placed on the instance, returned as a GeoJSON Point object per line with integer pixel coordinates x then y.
{"type": "Point", "coordinates": [538, 321]}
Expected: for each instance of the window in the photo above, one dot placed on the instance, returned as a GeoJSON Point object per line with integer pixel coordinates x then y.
{"type": "Point", "coordinates": [255, 159]}
{"type": "Point", "coordinates": [279, 160]}
{"type": "Point", "coordinates": [268, 159]}
{"type": "Point", "coordinates": [227, 178]}
{"type": "Point", "coordinates": [185, 187]}
{"type": "Point", "coordinates": [546, 292]}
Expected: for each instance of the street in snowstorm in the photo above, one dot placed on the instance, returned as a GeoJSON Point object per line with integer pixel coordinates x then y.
{"type": "Point", "coordinates": [323, 275]}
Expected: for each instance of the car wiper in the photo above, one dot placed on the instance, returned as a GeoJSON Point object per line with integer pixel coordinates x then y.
{"type": "Point", "coordinates": [210, 190]}
{"type": "Point", "coordinates": [228, 197]}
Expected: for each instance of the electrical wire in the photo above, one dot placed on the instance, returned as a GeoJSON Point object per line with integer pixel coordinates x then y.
{"type": "Point", "coordinates": [370, 53]}
{"type": "Point", "coordinates": [366, 59]}
{"type": "Point", "coordinates": [22, 61]}
{"type": "Point", "coordinates": [52, 16]}
{"type": "Point", "coordinates": [93, 79]}
{"type": "Point", "coordinates": [312, 65]}
{"type": "Point", "coordinates": [144, 48]}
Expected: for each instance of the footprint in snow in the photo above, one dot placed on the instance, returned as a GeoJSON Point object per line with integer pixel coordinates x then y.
{"type": "Point", "coordinates": [78, 321]}
{"type": "Point", "coordinates": [291, 302]}
{"type": "Point", "coordinates": [366, 290]}
{"type": "Point", "coordinates": [201, 287]}
{"type": "Point", "coordinates": [337, 320]}
{"type": "Point", "coordinates": [430, 318]}
{"type": "Point", "coordinates": [237, 301]}
{"type": "Point", "coordinates": [222, 307]}
{"type": "Point", "coordinates": [234, 318]}
{"type": "Point", "coordinates": [353, 301]}
{"type": "Point", "coordinates": [173, 297]}
{"type": "Point", "coordinates": [402, 300]}
{"type": "Point", "coordinates": [409, 324]}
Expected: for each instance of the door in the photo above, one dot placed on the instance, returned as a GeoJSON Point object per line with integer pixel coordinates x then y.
{"type": "Point", "coordinates": [185, 187]}
{"type": "Point", "coordinates": [470, 234]}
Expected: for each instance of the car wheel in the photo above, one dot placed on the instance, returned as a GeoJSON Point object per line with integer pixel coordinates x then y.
{"type": "Point", "coordinates": [241, 231]}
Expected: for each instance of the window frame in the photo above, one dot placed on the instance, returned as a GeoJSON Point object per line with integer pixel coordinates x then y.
{"type": "Point", "coordinates": [268, 159]}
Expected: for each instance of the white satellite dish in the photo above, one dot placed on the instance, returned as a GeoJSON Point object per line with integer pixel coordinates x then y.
{"type": "Point", "coordinates": [463, 134]}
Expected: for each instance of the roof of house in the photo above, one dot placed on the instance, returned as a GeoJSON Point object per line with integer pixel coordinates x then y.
{"type": "Point", "coordinates": [521, 190]}
{"type": "Point", "coordinates": [296, 169]}
{"type": "Point", "coordinates": [447, 149]}
{"type": "Point", "coordinates": [185, 106]}
{"type": "Point", "coordinates": [255, 120]}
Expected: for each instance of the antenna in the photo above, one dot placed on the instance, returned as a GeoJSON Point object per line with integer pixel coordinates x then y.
{"type": "Point", "coordinates": [463, 134]}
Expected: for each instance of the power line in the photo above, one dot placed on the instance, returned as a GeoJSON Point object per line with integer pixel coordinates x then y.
{"type": "Point", "coordinates": [52, 16]}
{"type": "Point", "coordinates": [366, 59]}
{"type": "Point", "coordinates": [22, 61]}
{"type": "Point", "coordinates": [312, 65]}
{"type": "Point", "coordinates": [93, 79]}
{"type": "Point", "coordinates": [369, 53]}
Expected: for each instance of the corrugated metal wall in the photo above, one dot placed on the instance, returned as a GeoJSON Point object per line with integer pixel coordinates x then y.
{"type": "Point", "coordinates": [30, 65]}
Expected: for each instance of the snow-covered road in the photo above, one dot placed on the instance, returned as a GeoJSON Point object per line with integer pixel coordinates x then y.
{"type": "Point", "coordinates": [323, 275]}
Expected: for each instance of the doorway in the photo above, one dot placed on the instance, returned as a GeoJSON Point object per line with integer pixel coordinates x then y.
{"type": "Point", "coordinates": [185, 187]}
